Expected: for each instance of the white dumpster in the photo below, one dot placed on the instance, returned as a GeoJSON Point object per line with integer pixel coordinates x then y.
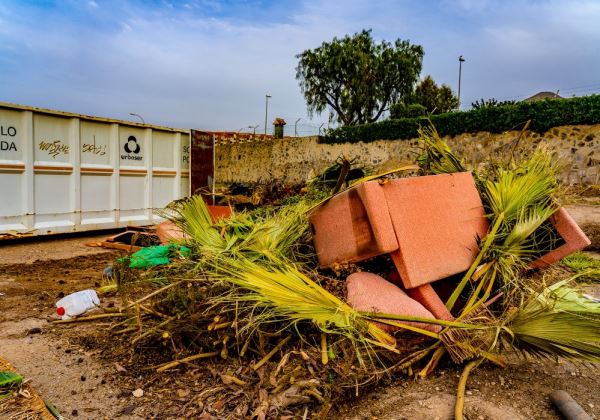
{"type": "Point", "coordinates": [63, 172]}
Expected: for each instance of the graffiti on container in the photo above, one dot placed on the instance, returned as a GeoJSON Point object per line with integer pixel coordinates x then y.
{"type": "Point", "coordinates": [131, 148]}
{"type": "Point", "coordinates": [99, 150]}
{"type": "Point", "coordinates": [54, 148]}
{"type": "Point", "coordinates": [185, 155]}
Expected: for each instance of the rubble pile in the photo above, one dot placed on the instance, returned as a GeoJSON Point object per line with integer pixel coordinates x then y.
{"type": "Point", "coordinates": [309, 301]}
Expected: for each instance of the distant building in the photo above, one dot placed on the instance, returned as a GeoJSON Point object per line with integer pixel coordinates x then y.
{"type": "Point", "coordinates": [543, 95]}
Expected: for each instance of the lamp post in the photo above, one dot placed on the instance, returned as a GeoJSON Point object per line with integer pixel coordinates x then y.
{"type": "Point", "coordinates": [267, 96]}
{"type": "Point", "coordinates": [320, 127]}
{"type": "Point", "coordinates": [253, 127]}
{"type": "Point", "coordinates": [460, 61]}
{"type": "Point", "coordinates": [139, 116]}
{"type": "Point", "coordinates": [296, 127]}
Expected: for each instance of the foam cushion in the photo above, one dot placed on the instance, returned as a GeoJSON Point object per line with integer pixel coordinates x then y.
{"type": "Point", "coordinates": [569, 230]}
{"type": "Point", "coordinates": [371, 293]}
{"type": "Point", "coordinates": [353, 226]}
{"type": "Point", "coordinates": [436, 220]}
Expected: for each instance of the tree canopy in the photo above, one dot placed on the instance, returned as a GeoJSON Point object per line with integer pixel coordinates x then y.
{"type": "Point", "coordinates": [436, 99]}
{"type": "Point", "coordinates": [428, 98]}
{"type": "Point", "coordinates": [487, 103]}
{"type": "Point", "coordinates": [358, 78]}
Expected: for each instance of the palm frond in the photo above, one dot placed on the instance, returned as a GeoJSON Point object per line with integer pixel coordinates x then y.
{"type": "Point", "coordinates": [584, 264]}
{"type": "Point", "coordinates": [437, 157]}
{"type": "Point", "coordinates": [560, 321]}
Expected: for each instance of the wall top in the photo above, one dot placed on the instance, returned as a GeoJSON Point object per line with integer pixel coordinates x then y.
{"type": "Point", "coordinates": [7, 105]}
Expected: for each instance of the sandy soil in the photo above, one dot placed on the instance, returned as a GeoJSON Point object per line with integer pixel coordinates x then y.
{"type": "Point", "coordinates": [88, 374]}
{"type": "Point", "coordinates": [61, 371]}
{"type": "Point", "coordinates": [26, 251]}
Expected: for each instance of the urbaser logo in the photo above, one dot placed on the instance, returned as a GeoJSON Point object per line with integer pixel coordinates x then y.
{"type": "Point", "coordinates": [131, 148]}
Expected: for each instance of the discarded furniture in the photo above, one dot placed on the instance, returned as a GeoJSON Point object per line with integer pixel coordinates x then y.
{"type": "Point", "coordinates": [573, 237]}
{"type": "Point", "coordinates": [371, 293]}
{"type": "Point", "coordinates": [429, 225]}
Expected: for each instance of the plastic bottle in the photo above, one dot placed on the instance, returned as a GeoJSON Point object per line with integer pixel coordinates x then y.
{"type": "Point", "coordinates": [77, 303]}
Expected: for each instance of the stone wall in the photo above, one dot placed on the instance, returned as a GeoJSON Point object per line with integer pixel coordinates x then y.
{"type": "Point", "coordinates": [295, 159]}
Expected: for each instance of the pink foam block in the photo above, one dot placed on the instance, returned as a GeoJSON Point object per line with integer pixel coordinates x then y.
{"type": "Point", "coordinates": [436, 220]}
{"type": "Point", "coordinates": [426, 296]}
{"type": "Point", "coordinates": [168, 231]}
{"type": "Point", "coordinates": [574, 238]}
{"type": "Point", "coordinates": [371, 293]}
{"type": "Point", "coordinates": [353, 226]}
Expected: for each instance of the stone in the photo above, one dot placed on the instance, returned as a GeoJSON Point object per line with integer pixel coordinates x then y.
{"type": "Point", "coordinates": [372, 293]}
{"type": "Point", "coordinates": [437, 220]}
{"type": "Point", "coordinates": [574, 239]}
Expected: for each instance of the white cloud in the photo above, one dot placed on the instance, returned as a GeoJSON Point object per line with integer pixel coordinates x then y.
{"type": "Point", "coordinates": [189, 69]}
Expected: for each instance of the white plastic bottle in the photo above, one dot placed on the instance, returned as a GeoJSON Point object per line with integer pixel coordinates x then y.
{"type": "Point", "coordinates": [77, 303]}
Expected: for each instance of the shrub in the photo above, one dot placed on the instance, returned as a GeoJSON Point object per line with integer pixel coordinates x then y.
{"type": "Point", "coordinates": [482, 103]}
{"type": "Point", "coordinates": [401, 110]}
{"type": "Point", "coordinates": [543, 114]}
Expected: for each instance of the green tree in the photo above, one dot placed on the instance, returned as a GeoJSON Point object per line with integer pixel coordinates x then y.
{"type": "Point", "coordinates": [357, 78]}
{"type": "Point", "coordinates": [401, 110]}
{"type": "Point", "coordinates": [436, 99]}
{"type": "Point", "coordinates": [488, 103]}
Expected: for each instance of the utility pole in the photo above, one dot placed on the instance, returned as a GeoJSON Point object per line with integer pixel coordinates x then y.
{"type": "Point", "coordinates": [460, 61]}
{"type": "Point", "coordinates": [321, 126]}
{"type": "Point", "coordinates": [267, 96]}
{"type": "Point", "coordinates": [296, 127]}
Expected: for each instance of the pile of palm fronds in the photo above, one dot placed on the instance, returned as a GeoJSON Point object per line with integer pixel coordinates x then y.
{"type": "Point", "coordinates": [250, 294]}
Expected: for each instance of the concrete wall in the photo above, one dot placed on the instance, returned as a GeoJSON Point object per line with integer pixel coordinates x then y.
{"type": "Point", "coordinates": [295, 159]}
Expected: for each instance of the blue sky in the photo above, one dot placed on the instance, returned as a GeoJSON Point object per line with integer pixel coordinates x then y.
{"type": "Point", "coordinates": [208, 64]}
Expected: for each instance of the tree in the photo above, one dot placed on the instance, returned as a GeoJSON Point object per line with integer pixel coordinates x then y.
{"type": "Point", "coordinates": [357, 78]}
{"type": "Point", "coordinates": [401, 110]}
{"type": "Point", "coordinates": [487, 103]}
{"type": "Point", "coordinates": [436, 99]}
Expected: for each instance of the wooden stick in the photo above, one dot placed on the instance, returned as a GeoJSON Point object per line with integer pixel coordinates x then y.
{"type": "Point", "coordinates": [152, 330]}
{"type": "Point", "coordinates": [227, 379]}
{"type": "Point", "coordinates": [152, 311]}
{"type": "Point", "coordinates": [175, 363]}
{"type": "Point", "coordinates": [324, 355]}
{"type": "Point", "coordinates": [162, 289]}
{"type": "Point", "coordinates": [89, 318]}
{"type": "Point", "coordinates": [125, 330]}
{"type": "Point", "coordinates": [221, 326]}
{"type": "Point", "coordinates": [460, 393]}
{"type": "Point", "coordinates": [271, 353]}
{"type": "Point", "coordinates": [118, 324]}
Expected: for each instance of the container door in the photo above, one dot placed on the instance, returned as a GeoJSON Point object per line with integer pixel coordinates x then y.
{"type": "Point", "coordinates": [202, 174]}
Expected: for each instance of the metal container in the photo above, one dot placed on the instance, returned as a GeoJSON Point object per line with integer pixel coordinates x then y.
{"type": "Point", "coordinates": [63, 172]}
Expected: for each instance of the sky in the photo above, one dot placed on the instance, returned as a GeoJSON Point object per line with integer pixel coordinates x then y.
{"type": "Point", "coordinates": [208, 64]}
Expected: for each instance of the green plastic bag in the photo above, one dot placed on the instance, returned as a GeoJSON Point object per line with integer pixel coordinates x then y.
{"type": "Point", "coordinates": [156, 255]}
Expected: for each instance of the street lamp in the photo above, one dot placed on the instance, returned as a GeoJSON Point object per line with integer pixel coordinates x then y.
{"type": "Point", "coordinates": [267, 96]}
{"type": "Point", "coordinates": [460, 61]}
{"type": "Point", "coordinates": [139, 116]}
{"type": "Point", "coordinates": [296, 127]}
{"type": "Point", "coordinates": [253, 127]}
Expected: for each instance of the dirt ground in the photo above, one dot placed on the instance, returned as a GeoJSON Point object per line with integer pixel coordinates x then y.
{"type": "Point", "coordinates": [88, 373]}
